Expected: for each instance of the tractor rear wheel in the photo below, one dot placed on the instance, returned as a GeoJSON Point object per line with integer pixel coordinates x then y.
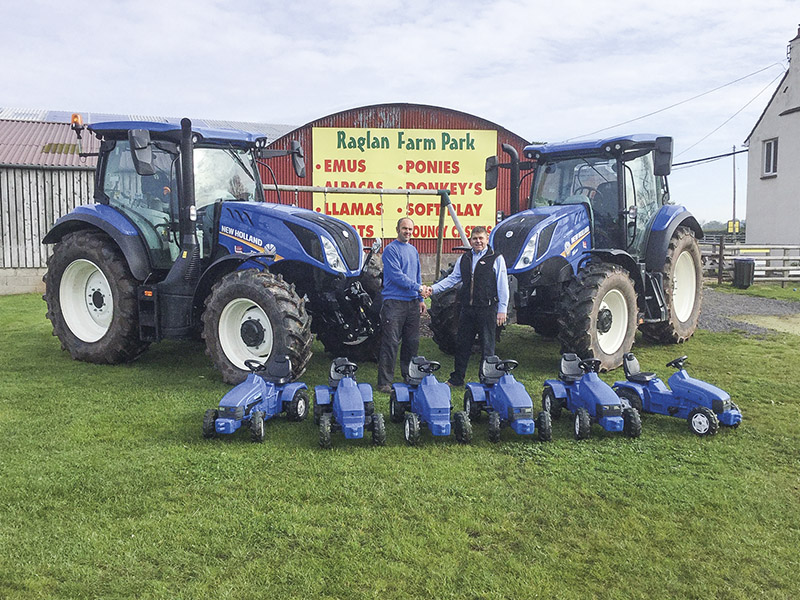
{"type": "Point", "coordinates": [550, 403]}
{"type": "Point", "coordinates": [397, 410]}
{"type": "Point", "coordinates": [91, 299]}
{"type": "Point", "coordinates": [632, 397]}
{"type": "Point", "coordinates": [253, 314]}
{"type": "Point", "coordinates": [599, 314]}
{"type": "Point", "coordinates": [471, 407]}
{"type": "Point", "coordinates": [683, 290]}
{"type": "Point", "coordinates": [298, 406]}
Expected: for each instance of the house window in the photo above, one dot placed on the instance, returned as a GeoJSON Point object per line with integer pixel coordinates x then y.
{"type": "Point", "coordinates": [770, 158]}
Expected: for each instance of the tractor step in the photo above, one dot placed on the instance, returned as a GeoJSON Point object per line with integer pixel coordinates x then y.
{"type": "Point", "coordinates": [149, 330]}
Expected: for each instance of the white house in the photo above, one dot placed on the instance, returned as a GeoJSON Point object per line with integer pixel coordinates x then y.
{"type": "Point", "coordinates": [773, 178]}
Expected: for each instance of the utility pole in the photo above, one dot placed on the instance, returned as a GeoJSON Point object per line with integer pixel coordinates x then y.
{"type": "Point", "coordinates": [734, 185]}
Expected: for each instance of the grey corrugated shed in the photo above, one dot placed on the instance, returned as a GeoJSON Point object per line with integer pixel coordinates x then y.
{"type": "Point", "coordinates": [36, 144]}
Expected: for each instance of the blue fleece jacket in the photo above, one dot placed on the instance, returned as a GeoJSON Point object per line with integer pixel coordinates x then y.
{"type": "Point", "coordinates": [401, 272]}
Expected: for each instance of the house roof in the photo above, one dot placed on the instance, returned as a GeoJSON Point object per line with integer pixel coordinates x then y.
{"type": "Point", "coordinates": [763, 112]}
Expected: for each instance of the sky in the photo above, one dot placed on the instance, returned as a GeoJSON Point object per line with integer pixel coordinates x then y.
{"type": "Point", "coordinates": [547, 71]}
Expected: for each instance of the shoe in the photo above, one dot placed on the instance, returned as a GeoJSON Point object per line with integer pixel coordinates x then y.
{"type": "Point", "coordinates": [385, 389]}
{"type": "Point", "coordinates": [453, 385]}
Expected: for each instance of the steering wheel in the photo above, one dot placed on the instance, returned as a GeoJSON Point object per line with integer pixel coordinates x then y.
{"type": "Point", "coordinates": [506, 365]}
{"type": "Point", "coordinates": [590, 365]}
{"type": "Point", "coordinates": [430, 367]}
{"type": "Point", "coordinates": [255, 366]}
{"type": "Point", "coordinates": [347, 369]}
{"type": "Point", "coordinates": [585, 187]}
{"type": "Point", "coordinates": [678, 362]}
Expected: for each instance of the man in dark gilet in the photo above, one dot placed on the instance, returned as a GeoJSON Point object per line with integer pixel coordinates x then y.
{"type": "Point", "coordinates": [483, 296]}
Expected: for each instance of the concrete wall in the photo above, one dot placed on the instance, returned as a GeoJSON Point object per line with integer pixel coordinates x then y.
{"type": "Point", "coordinates": [21, 281]}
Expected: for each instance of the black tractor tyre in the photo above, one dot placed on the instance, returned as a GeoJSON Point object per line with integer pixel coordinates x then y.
{"type": "Point", "coordinates": [209, 427]}
{"type": "Point", "coordinates": [632, 423]}
{"type": "Point", "coordinates": [297, 408]}
{"type": "Point", "coordinates": [397, 410]}
{"type": "Point", "coordinates": [91, 299]}
{"type": "Point", "coordinates": [545, 325]}
{"type": "Point", "coordinates": [325, 423]}
{"type": "Point", "coordinates": [494, 426]}
{"type": "Point", "coordinates": [683, 290]}
{"type": "Point", "coordinates": [411, 428]}
{"type": "Point", "coordinates": [550, 403]}
{"type": "Point", "coordinates": [445, 310]}
{"type": "Point", "coordinates": [583, 424]}
{"type": "Point", "coordinates": [462, 427]}
{"type": "Point", "coordinates": [599, 314]}
{"type": "Point", "coordinates": [257, 426]}
{"type": "Point", "coordinates": [378, 430]}
{"type": "Point", "coordinates": [702, 421]}
{"type": "Point", "coordinates": [471, 407]}
{"type": "Point", "coordinates": [632, 397]}
{"type": "Point", "coordinates": [253, 314]}
{"type": "Point", "coordinates": [544, 426]}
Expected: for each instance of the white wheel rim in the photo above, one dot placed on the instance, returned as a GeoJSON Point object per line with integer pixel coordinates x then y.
{"type": "Point", "coordinates": [467, 405]}
{"type": "Point", "coordinates": [684, 286]}
{"type": "Point", "coordinates": [234, 315]}
{"type": "Point", "coordinates": [301, 407]}
{"type": "Point", "coordinates": [86, 300]}
{"type": "Point", "coordinates": [700, 423]}
{"type": "Point", "coordinates": [407, 430]}
{"type": "Point", "coordinates": [577, 425]}
{"type": "Point", "coordinates": [610, 341]}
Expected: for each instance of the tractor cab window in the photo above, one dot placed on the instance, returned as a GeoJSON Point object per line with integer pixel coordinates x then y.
{"type": "Point", "coordinates": [643, 193]}
{"type": "Point", "coordinates": [145, 199]}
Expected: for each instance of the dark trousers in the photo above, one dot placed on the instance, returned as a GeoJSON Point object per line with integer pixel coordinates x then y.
{"type": "Point", "coordinates": [480, 320]}
{"type": "Point", "coordinates": [399, 323]}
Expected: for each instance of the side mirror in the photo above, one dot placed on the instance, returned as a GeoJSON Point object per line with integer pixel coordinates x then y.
{"type": "Point", "coordinates": [298, 159]}
{"type": "Point", "coordinates": [491, 172]}
{"type": "Point", "coordinates": [141, 151]}
{"type": "Point", "coordinates": [662, 156]}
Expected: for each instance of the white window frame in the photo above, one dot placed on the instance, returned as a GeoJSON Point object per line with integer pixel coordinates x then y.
{"type": "Point", "coordinates": [769, 162]}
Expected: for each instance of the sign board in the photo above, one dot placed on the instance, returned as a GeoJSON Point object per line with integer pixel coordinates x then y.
{"type": "Point", "coordinates": [409, 159]}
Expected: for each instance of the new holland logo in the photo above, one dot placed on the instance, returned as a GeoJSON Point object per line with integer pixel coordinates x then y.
{"type": "Point", "coordinates": [270, 249]}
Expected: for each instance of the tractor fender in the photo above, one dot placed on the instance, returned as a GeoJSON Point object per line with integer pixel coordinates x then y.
{"type": "Point", "coordinates": [288, 391]}
{"type": "Point", "coordinates": [322, 395]}
{"type": "Point", "coordinates": [365, 390]}
{"type": "Point", "coordinates": [667, 220]}
{"type": "Point", "coordinates": [558, 387]}
{"type": "Point", "coordinates": [627, 262]}
{"type": "Point", "coordinates": [478, 392]}
{"type": "Point", "coordinates": [218, 269]}
{"type": "Point", "coordinates": [113, 223]}
{"type": "Point", "coordinates": [634, 387]}
{"type": "Point", "coordinates": [401, 392]}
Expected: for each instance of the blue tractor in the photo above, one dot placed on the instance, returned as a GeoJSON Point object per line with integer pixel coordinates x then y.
{"type": "Point", "coordinates": [180, 242]}
{"type": "Point", "coordinates": [704, 406]}
{"type": "Point", "coordinates": [346, 405]}
{"type": "Point", "coordinates": [424, 401]}
{"type": "Point", "coordinates": [506, 401]}
{"type": "Point", "coordinates": [597, 249]}
{"type": "Point", "coordinates": [580, 390]}
{"type": "Point", "coordinates": [266, 392]}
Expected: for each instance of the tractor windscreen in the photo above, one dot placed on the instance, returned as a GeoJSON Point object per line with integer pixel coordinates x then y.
{"type": "Point", "coordinates": [575, 181]}
{"type": "Point", "coordinates": [224, 174]}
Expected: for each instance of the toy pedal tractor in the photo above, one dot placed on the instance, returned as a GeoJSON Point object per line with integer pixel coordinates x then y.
{"type": "Point", "coordinates": [265, 392]}
{"type": "Point", "coordinates": [425, 402]}
{"type": "Point", "coordinates": [505, 400]}
{"type": "Point", "coordinates": [704, 406]}
{"type": "Point", "coordinates": [346, 405]}
{"type": "Point", "coordinates": [580, 390]}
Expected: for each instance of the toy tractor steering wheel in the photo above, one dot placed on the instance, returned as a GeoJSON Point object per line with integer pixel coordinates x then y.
{"type": "Point", "coordinates": [678, 362]}
{"type": "Point", "coordinates": [347, 369]}
{"type": "Point", "coordinates": [430, 367]}
{"type": "Point", "coordinates": [505, 366]}
{"type": "Point", "coordinates": [590, 365]}
{"type": "Point", "coordinates": [255, 366]}
{"type": "Point", "coordinates": [590, 190]}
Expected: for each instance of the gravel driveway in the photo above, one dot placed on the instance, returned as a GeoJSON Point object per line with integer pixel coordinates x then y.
{"type": "Point", "coordinates": [719, 307]}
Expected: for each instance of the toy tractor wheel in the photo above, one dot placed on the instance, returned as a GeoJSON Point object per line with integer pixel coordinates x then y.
{"type": "Point", "coordinates": [257, 426]}
{"type": "Point", "coordinates": [583, 424]}
{"type": "Point", "coordinates": [378, 430]}
{"type": "Point", "coordinates": [463, 427]}
{"type": "Point", "coordinates": [209, 427]}
{"type": "Point", "coordinates": [734, 406]}
{"type": "Point", "coordinates": [471, 407]}
{"type": "Point", "coordinates": [632, 423]}
{"type": "Point", "coordinates": [702, 421]}
{"type": "Point", "coordinates": [494, 426]}
{"type": "Point", "coordinates": [683, 290]}
{"type": "Point", "coordinates": [369, 408]}
{"type": "Point", "coordinates": [550, 403]}
{"type": "Point", "coordinates": [396, 409]}
{"type": "Point", "coordinates": [411, 429]}
{"type": "Point", "coordinates": [544, 427]}
{"type": "Point", "coordinates": [599, 314]}
{"type": "Point", "coordinates": [325, 431]}
{"type": "Point", "coordinates": [632, 397]}
{"type": "Point", "coordinates": [298, 407]}
{"type": "Point", "coordinates": [253, 314]}
{"type": "Point", "coordinates": [91, 299]}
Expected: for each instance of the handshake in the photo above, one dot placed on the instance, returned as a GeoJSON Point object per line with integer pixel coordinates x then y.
{"type": "Point", "coordinates": [426, 291]}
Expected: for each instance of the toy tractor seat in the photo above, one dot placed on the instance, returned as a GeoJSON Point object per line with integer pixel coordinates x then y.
{"type": "Point", "coordinates": [340, 368]}
{"type": "Point", "coordinates": [490, 374]}
{"type": "Point", "coordinates": [419, 367]}
{"type": "Point", "coordinates": [633, 372]}
{"type": "Point", "coordinates": [570, 370]}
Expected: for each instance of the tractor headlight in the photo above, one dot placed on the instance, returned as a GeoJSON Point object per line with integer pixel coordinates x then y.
{"type": "Point", "coordinates": [528, 253]}
{"type": "Point", "coordinates": [332, 255]}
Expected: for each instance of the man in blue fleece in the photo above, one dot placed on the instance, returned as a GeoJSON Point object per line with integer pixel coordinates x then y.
{"type": "Point", "coordinates": [402, 305]}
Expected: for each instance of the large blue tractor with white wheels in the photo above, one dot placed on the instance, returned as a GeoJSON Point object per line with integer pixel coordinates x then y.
{"type": "Point", "coordinates": [597, 249]}
{"type": "Point", "coordinates": [180, 241]}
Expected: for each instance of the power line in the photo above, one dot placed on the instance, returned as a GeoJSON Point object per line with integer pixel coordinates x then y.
{"type": "Point", "coordinates": [707, 159]}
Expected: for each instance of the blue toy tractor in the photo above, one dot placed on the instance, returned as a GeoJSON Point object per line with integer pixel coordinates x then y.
{"type": "Point", "coordinates": [425, 402]}
{"type": "Point", "coordinates": [704, 406]}
{"type": "Point", "coordinates": [266, 392]}
{"type": "Point", "coordinates": [597, 250]}
{"type": "Point", "coordinates": [346, 405]}
{"type": "Point", "coordinates": [180, 241]}
{"type": "Point", "coordinates": [505, 400]}
{"type": "Point", "coordinates": [580, 390]}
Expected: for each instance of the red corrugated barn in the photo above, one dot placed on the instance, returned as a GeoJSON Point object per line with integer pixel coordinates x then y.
{"type": "Point", "coordinates": [408, 146]}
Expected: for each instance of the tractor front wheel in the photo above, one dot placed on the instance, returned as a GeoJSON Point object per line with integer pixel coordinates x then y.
{"type": "Point", "coordinates": [257, 426]}
{"type": "Point", "coordinates": [583, 424]}
{"type": "Point", "coordinates": [253, 314]}
{"type": "Point", "coordinates": [544, 427]}
{"type": "Point", "coordinates": [702, 421]}
{"type": "Point", "coordinates": [325, 422]}
{"type": "Point", "coordinates": [632, 423]}
{"type": "Point", "coordinates": [463, 427]}
{"type": "Point", "coordinates": [209, 423]}
{"type": "Point", "coordinates": [411, 429]}
{"type": "Point", "coordinates": [378, 430]}
{"type": "Point", "coordinates": [494, 426]}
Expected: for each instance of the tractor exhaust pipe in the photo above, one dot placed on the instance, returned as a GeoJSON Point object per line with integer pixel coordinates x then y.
{"type": "Point", "coordinates": [513, 198]}
{"type": "Point", "coordinates": [188, 211]}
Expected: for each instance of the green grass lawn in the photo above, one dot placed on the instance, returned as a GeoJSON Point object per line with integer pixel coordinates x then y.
{"type": "Point", "coordinates": [110, 491]}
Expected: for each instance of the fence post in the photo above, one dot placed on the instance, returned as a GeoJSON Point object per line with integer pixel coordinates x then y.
{"type": "Point", "coordinates": [720, 259]}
